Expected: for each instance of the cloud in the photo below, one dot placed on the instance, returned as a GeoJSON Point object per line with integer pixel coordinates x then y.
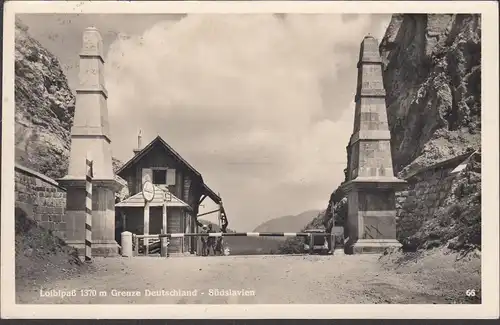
{"type": "Point", "coordinates": [61, 34]}
{"type": "Point", "coordinates": [383, 21]}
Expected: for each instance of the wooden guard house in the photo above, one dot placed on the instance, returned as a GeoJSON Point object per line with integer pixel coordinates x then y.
{"type": "Point", "coordinates": [170, 174]}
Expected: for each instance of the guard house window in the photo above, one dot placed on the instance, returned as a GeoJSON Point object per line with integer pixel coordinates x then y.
{"type": "Point", "coordinates": [159, 176]}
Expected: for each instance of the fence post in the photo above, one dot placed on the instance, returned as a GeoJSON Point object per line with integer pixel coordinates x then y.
{"type": "Point", "coordinates": [163, 246]}
{"type": "Point", "coordinates": [88, 209]}
{"type": "Point", "coordinates": [127, 244]}
{"type": "Point", "coordinates": [311, 243]}
{"type": "Point", "coordinates": [136, 247]}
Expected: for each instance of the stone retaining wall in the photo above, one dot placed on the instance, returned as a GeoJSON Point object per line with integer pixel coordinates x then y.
{"type": "Point", "coordinates": [41, 198]}
{"type": "Point", "coordinates": [428, 188]}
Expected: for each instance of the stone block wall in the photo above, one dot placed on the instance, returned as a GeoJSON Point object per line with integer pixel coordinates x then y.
{"type": "Point", "coordinates": [425, 193]}
{"type": "Point", "coordinates": [41, 198]}
{"type": "Point", "coordinates": [428, 189]}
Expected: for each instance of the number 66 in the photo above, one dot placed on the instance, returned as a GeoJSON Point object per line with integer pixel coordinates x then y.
{"type": "Point", "coordinates": [470, 293]}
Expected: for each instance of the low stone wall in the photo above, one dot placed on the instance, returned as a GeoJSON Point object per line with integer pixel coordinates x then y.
{"type": "Point", "coordinates": [428, 189]}
{"type": "Point", "coordinates": [41, 198]}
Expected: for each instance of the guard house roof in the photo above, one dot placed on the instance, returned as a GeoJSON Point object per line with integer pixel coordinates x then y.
{"type": "Point", "coordinates": [137, 200]}
{"type": "Point", "coordinates": [207, 191]}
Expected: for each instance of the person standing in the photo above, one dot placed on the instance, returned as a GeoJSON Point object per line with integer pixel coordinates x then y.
{"type": "Point", "coordinates": [204, 239]}
{"type": "Point", "coordinates": [220, 241]}
{"type": "Point", "coordinates": [210, 240]}
{"type": "Point", "coordinates": [223, 218]}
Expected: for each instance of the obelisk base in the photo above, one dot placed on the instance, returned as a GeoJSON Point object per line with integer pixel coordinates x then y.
{"type": "Point", "coordinates": [103, 216]}
{"type": "Point", "coordinates": [100, 248]}
{"type": "Point", "coordinates": [371, 221]}
{"type": "Point", "coordinates": [372, 246]}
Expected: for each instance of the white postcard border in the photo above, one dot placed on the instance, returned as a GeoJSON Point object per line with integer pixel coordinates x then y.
{"type": "Point", "coordinates": [490, 159]}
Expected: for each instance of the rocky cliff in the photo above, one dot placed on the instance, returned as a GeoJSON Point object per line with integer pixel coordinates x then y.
{"type": "Point", "coordinates": [432, 76]}
{"type": "Point", "coordinates": [44, 107]}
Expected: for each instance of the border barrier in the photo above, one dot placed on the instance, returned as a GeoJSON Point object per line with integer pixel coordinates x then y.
{"type": "Point", "coordinates": [163, 238]}
{"type": "Point", "coordinates": [88, 209]}
{"type": "Point", "coordinates": [232, 234]}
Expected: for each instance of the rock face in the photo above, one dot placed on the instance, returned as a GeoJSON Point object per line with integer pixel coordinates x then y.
{"type": "Point", "coordinates": [336, 211]}
{"type": "Point", "coordinates": [432, 77]}
{"type": "Point", "coordinates": [44, 107]}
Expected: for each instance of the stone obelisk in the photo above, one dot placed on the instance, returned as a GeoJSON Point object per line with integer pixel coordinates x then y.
{"type": "Point", "coordinates": [371, 185]}
{"type": "Point", "coordinates": [90, 137]}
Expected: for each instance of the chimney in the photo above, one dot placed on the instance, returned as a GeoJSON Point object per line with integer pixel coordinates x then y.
{"type": "Point", "coordinates": [139, 143]}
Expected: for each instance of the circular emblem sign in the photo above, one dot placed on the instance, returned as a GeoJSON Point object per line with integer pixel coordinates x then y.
{"type": "Point", "coordinates": [148, 191]}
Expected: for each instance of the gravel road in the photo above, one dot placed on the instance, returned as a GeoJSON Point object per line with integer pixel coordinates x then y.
{"type": "Point", "coordinates": [253, 279]}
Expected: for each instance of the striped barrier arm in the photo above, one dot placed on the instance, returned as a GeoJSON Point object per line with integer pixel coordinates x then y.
{"type": "Point", "coordinates": [237, 234]}
{"type": "Point", "coordinates": [234, 234]}
{"type": "Point", "coordinates": [88, 210]}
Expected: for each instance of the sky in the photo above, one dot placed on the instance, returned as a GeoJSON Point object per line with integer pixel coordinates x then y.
{"type": "Point", "coordinates": [261, 105]}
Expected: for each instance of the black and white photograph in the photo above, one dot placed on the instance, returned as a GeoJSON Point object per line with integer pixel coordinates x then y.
{"type": "Point", "coordinates": [200, 156]}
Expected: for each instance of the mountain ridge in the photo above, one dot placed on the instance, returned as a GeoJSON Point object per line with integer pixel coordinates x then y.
{"type": "Point", "coordinates": [288, 223]}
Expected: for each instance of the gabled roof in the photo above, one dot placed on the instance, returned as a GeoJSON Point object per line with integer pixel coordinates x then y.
{"type": "Point", "coordinates": [211, 194]}
{"type": "Point", "coordinates": [138, 200]}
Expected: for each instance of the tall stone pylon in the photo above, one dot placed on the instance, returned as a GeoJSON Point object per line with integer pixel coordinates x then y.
{"type": "Point", "coordinates": [371, 184]}
{"type": "Point", "coordinates": [90, 137]}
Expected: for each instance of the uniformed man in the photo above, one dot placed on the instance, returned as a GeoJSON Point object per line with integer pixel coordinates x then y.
{"type": "Point", "coordinates": [204, 230]}
{"type": "Point", "coordinates": [210, 240]}
{"type": "Point", "coordinates": [224, 222]}
{"type": "Point", "coordinates": [219, 244]}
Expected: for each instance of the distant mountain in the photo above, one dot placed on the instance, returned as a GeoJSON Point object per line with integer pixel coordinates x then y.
{"type": "Point", "coordinates": [288, 223]}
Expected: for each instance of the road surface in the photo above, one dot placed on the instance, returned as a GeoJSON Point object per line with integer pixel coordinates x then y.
{"type": "Point", "coordinates": [248, 280]}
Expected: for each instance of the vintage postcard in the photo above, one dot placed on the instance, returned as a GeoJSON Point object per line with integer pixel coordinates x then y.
{"type": "Point", "coordinates": [250, 159]}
